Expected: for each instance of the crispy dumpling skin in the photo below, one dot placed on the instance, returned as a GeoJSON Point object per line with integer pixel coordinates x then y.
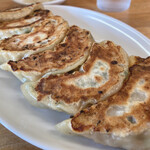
{"type": "Point", "coordinates": [68, 55]}
{"type": "Point", "coordinates": [18, 13]}
{"type": "Point", "coordinates": [23, 25]}
{"type": "Point", "coordinates": [101, 76]}
{"type": "Point", "coordinates": [45, 35]}
{"type": "Point", "coordinates": [123, 119]}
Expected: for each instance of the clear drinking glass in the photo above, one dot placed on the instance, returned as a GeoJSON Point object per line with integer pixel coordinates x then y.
{"type": "Point", "coordinates": [113, 5]}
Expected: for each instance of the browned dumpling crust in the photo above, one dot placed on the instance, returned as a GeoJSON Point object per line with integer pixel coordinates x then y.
{"type": "Point", "coordinates": [35, 39]}
{"type": "Point", "coordinates": [18, 13]}
{"type": "Point", "coordinates": [27, 20]}
{"type": "Point", "coordinates": [123, 117]}
{"type": "Point", "coordinates": [101, 76]}
{"type": "Point", "coordinates": [23, 25]}
{"type": "Point", "coordinates": [67, 55]}
{"type": "Point", "coordinates": [45, 35]}
{"type": "Point", "coordinates": [76, 45]}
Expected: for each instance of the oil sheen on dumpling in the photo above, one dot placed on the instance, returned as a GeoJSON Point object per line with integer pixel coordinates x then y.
{"type": "Point", "coordinates": [22, 25]}
{"type": "Point", "coordinates": [123, 119]}
{"type": "Point", "coordinates": [17, 13]}
{"type": "Point", "coordinates": [101, 76]}
{"type": "Point", "coordinates": [68, 55]}
{"type": "Point", "coordinates": [45, 35]}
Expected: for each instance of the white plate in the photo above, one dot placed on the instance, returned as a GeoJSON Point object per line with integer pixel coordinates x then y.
{"type": "Point", "coordinates": [52, 2]}
{"type": "Point", "coordinates": [36, 125]}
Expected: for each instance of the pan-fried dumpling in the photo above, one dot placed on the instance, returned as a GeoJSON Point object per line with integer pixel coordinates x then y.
{"type": "Point", "coordinates": [23, 25]}
{"type": "Point", "coordinates": [68, 55]}
{"type": "Point", "coordinates": [45, 35]}
{"type": "Point", "coordinates": [123, 120]}
{"type": "Point", "coordinates": [101, 76]}
{"type": "Point", "coordinates": [17, 13]}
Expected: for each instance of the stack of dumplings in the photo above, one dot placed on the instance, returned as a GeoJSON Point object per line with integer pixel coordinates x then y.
{"type": "Point", "coordinates": [64, 69]}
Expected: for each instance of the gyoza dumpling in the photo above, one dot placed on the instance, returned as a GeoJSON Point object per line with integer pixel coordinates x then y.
{"type": "Point", "coordinates": [23, 25]}
{"type": "Point", "coordinates": [123, 120]}
{"type": "Point", "coordinates": [68, 55]}
{"type": "Point", "coordinates": [101, 76]}
{"type": "Point", "coordinates": [45, 35]}
{"type": "Point", "coordinates": [17, 13]}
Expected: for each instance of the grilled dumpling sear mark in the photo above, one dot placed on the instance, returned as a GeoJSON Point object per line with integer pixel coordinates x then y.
{"type": "Point", "coordinates": [18, 13]}
{"type": "Point", "coordinates": [23, 25]}
{"type": "Point", "coordinates": [45, 35]}
{"type": "Point", "coordinates": [101, 76]}
{"type": "Point", "coordinates": [68, 55]}
{"type": "Point", "coordinates": [123, 119]}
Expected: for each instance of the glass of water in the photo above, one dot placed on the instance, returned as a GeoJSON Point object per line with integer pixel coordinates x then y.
{"type": "Point", "coordinates": [113, 5]}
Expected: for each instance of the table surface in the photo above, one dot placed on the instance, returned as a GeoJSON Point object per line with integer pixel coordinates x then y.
{"type": "Point", "coordinates": [136, 16]}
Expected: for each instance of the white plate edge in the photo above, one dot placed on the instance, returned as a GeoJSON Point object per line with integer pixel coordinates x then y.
{"type": "Point", "coordinates": [116, 21]}
{"type": "Point", "coordinates": [45, 3]}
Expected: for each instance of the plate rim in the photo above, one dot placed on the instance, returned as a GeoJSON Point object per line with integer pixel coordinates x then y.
{"type": "Point", "coordinates": [116, 21]}
{"type": "Point", "coordinates": [54, 2]}
{"type": "Point", "coordinates": [119, 22]}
